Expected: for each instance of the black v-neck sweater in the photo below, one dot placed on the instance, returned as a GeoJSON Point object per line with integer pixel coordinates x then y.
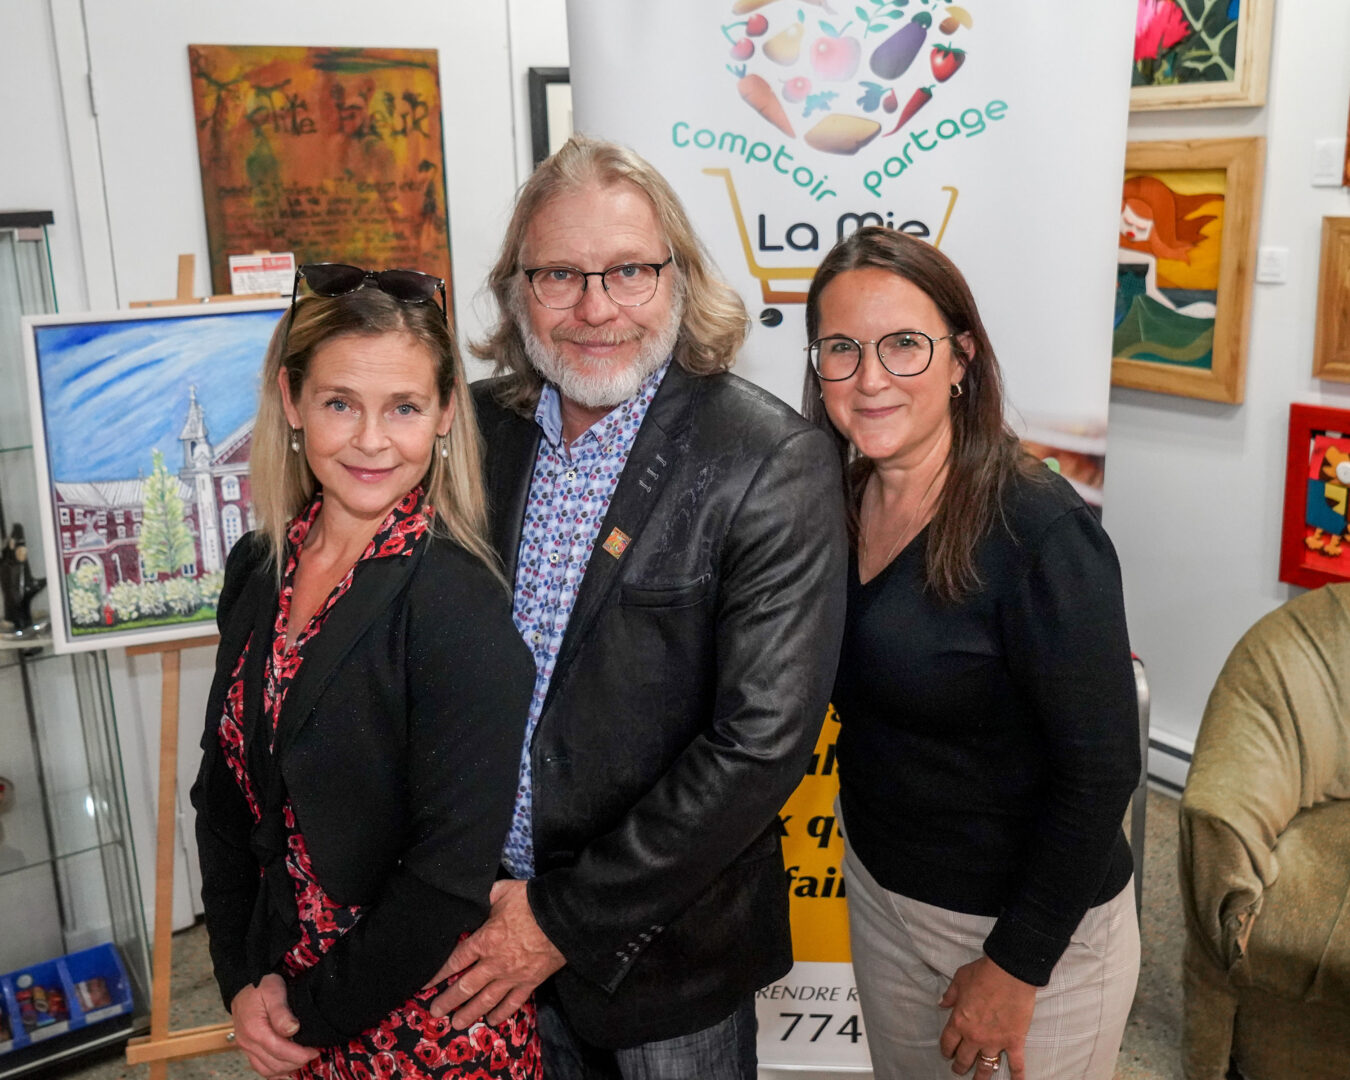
{"type": "Point", "coordinates": [988, 748]}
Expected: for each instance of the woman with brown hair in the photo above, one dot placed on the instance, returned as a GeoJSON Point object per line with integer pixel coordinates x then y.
{"type": "Point", "coordinates": [363, 728]}
{"type": "Point", "coordinates": [988, 741]}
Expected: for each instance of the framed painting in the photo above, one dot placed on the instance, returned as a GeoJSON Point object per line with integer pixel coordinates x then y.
{"type": "Point", "coordinates": [1185, 262]}
{"type": "Point", "coordinates": [1331, 348]}
{"type": "Point", "coordinates": [334, 154]}
{"type": "Point", "coordinates": [1200, 53]}
{"type": "Point", "coordinates": [1314, 541]}
{"type": "Point", "coordinates": [550, 110]}
{"type": "Point", "coordinates": [142, 423]}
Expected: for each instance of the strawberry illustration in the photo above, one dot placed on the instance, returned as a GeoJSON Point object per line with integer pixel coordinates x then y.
{"type": "Point", "coordinates": [945, 60]}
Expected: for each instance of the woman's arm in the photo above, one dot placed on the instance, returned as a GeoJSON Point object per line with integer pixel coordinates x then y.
{"type": "Point", "coordinates": [469, 678]}
{"type": "Point", "coordinates": [1068, 651]}
{"type": "Point", "coordinates": [224, 821]}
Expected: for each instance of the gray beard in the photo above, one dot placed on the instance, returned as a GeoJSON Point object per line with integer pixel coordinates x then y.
{"type": "Point", "coordinates": [604, 388]}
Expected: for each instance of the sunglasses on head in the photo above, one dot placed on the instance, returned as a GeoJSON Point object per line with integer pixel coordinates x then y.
{"type": "Point", "coordinates": [338, 279]}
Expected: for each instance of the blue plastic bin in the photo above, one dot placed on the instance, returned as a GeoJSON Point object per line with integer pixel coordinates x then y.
{"type": "Point", "coordinates": [65, 972]}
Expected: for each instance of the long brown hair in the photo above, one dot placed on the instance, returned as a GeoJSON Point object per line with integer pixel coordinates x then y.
{"type": "Point", "coordinates": [985, 454]}
{"type": "Point", "coordinates": [281, 480]}
{"type": "Point", "coordinates": [714, 322]}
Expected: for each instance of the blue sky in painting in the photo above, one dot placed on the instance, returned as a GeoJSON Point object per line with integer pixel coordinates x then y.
{"type": "Point", "coordinates": [114, 391]}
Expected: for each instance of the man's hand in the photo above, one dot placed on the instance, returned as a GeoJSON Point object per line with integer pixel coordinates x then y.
{"type": "Point", "coordinates": [263, 1026]}
{"type": "Point", "coordinates": [991, 1012]}
{"type": "Point", "coordinates": [501, 962]}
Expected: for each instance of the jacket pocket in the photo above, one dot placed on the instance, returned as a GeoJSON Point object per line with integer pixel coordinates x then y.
{"type": "Point", "coordinates": [681, 594]}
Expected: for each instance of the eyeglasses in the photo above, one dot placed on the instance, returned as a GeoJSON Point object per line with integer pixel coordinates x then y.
{"type": "Point", "coordinates": [904, 353]}
{"type": "Point", "coordinates": [628, 284]}
{"type": "Point", "coordinates": [338, 279]}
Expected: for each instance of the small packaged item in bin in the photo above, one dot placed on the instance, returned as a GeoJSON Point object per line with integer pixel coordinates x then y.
{"type": "Point", "coordinates": [23, 997]}
{"type": "Point", "coordinates": [93, 993]}
{"type": "Point", "coordinates": [5, 1033]}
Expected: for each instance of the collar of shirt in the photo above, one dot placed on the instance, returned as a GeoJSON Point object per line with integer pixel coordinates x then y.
{"type": "Point", "coordinates": [405, 523]}
{"type": "Point", "coordinates": [626, 416]}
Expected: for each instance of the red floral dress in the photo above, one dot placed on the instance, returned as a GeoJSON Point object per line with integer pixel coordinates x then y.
{"type": "Point", "coordinates": [409, 1042]}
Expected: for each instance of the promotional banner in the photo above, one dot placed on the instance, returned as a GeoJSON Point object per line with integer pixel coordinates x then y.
{"type": "Point", "coordinates": [994, 130]}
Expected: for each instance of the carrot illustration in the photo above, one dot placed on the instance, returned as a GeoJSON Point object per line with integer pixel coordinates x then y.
{"type": "Point", "coordinates": [759, 94]}
{"type": "Point", "coordinates": [917, 100]}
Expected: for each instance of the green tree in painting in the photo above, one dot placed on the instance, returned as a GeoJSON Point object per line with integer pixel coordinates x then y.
{"type": "Point", "coordinates": [166, 542]}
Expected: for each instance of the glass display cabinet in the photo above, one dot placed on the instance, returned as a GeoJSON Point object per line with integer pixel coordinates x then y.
{"type": "Point", "coordinates": [74, 962]}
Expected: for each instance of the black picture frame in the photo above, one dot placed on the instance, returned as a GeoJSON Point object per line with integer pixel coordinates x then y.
{"type": "Point", "coordinates": [540, 79]}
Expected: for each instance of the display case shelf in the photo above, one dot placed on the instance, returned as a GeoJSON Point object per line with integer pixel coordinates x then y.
{"type": "Point", "coordinates": [68, 880]}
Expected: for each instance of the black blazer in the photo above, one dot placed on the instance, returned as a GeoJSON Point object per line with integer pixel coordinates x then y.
{"type": "Point", "coordinates": [689, 690]}
{"type": "Point", "coordinates": [398, 746]}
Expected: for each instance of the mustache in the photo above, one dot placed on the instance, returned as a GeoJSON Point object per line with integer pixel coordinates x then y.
{"type": "Point", "coordinates": [596, 336]}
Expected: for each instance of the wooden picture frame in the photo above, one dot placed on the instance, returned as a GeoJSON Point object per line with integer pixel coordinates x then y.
{"type": "Point", "coordinates": [1180, 43]}
{"type": "Point", "coordinates": [1314, 545]}
{"type": "Point", "coordinates": [1331, 348]}
{"type": "Point", "coordinates": [1188, 229]}
{"type": "Point", "coordinates": [550, 110]}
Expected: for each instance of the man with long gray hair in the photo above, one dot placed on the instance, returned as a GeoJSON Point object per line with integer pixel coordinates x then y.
{"type": "Point", "coordinates": [674, 540]}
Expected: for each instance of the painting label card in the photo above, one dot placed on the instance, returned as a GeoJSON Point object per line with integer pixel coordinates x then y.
{"type": "Point", "coordinates": [262, 273]}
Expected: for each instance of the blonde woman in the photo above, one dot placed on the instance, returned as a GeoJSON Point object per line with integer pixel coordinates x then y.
{"type": "Point", "coordinates": [362, 731]}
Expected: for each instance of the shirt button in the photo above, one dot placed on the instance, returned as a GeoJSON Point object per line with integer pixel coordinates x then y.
{"type": "Point", "coordinates": [553, 558]}
{"type": "Point", "coordinates": [536, 637]}
{"type": "Point", "coordinates": [571, 474]}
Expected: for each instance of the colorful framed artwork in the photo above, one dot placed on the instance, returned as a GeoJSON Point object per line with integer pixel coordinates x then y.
{"type": "Point", "coordinates": [333, 154]}
{"type": "Point", "coordinates": [1315, 541]}
{"type": "Point", "coordinates": [1200, 53]}
{"type": "Point", "coordinates": [142, 423]}
{"type": "Point", "coordinates": [1331, 348]}
{"type": "Point", "coordinates": [1185, 262]}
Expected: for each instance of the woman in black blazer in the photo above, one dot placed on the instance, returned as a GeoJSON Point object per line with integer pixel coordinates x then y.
{"type": "Point", "coordinates": [363, 729]}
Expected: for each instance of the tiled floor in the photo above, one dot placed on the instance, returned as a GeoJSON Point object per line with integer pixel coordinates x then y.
{"type": "Point", "coordinates": [1152, 1041]}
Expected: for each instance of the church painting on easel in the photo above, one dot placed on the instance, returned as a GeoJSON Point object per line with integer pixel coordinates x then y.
{"type": "Point", "coordinates": [143, 422]}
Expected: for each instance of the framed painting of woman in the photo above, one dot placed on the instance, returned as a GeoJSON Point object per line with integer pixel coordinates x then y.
{"type": "Point", "coordinates": [1188, 230]}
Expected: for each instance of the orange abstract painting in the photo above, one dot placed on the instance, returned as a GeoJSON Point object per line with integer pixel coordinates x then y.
{"type": "Point", "coordinates": [334, 154]}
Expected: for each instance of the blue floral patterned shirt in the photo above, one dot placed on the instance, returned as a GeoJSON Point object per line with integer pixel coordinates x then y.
{"type": "Point", "coordinates": [570, 492]}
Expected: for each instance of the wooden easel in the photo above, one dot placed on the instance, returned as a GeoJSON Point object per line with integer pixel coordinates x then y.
{"type": "Point", "coordinates": [163, 1045]}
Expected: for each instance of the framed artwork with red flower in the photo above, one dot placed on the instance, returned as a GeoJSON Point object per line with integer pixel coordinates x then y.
{"type": "Point", "coordinates": [1315, 540]}
{"type": "Point", "coordinates": [1200, 53]}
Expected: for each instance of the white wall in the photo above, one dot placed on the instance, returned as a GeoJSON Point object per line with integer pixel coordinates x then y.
{"type": "Point", "coordinates": [1195, 490]}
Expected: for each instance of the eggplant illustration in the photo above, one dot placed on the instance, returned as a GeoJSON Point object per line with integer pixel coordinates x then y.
{"type": "Point", "coordinates": [894, 55]}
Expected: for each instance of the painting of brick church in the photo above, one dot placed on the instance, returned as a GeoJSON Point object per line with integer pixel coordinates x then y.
{"type": "Point", "coordinates": [144, 423]}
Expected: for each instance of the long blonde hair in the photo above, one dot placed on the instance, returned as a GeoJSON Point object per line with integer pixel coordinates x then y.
{"type": "Point", "coordinates": [281, 480]}
{"type": "Point", "coordinates": [714, 322]}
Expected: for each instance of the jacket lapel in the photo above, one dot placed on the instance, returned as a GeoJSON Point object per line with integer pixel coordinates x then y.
{"type": "Point", "coordinates": [639, 488]}
{"type": "Point", "coordinates": [512, 448]}
{"type": "Point", "coordinates": [374, 587]}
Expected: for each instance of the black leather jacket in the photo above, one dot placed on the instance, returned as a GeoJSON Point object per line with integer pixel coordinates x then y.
{"type": "Point", "coordinates": [687, 696]}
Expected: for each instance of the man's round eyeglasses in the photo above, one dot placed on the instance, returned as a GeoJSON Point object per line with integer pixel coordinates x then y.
{"type": "Point", "coordinates": [904, 353]}
{"type": "Point", "coordinates": [628, 284]}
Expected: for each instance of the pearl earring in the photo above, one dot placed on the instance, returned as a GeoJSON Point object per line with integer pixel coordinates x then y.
{"type": "Point", "coordinates": [295, 440]}
{"type": "Point", "coordinates": [445, 447]}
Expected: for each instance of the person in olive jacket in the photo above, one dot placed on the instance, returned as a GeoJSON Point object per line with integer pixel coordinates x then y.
{"type": "Point", "coordinates": [676, 543]}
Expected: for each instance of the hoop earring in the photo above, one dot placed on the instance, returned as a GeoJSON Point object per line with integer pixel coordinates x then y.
{"type": "Point", "coordinates": [956, 390]}
{"type": "Point", "coordinates": [295, 440]}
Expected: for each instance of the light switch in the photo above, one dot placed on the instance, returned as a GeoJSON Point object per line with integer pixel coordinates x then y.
{"type": "Point", "coordinates": [1328, 162]}
{"type": "Point", "coordinates": [1272, 265]}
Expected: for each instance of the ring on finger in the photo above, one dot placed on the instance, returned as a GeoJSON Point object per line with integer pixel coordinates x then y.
{"type": "Point", "coordinates": [991, 1060]}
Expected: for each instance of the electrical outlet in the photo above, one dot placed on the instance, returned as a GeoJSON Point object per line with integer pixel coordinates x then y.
{"type": "Point", "coordinates": [1272, 265]}
{"type": "Point", "coordinates": [1328, 162]}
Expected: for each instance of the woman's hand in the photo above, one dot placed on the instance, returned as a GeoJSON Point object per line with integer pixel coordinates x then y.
{"type": "Point", "coordinates": [991, 1012]}
{"type": "Point", "coordinates": [263, 1026]}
